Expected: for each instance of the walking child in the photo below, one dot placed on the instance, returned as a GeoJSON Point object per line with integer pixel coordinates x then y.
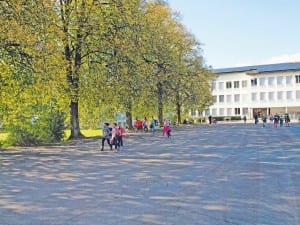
{"type": "Point", "coordinates": [115, 137]}
{"type": "Point", "coordinates": [106, 136]}
{"type": "Point", "coordinates": [120, 136]}
{"type": "Point", "coordinates": [167, 128]}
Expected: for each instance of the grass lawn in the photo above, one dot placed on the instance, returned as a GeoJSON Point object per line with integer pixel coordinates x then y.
{"type": "Point", "coordinates": [86, 133]}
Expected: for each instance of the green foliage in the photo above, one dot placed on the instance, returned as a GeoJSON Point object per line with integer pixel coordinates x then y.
{"type": "Point", "coordinates": [56, 126]}
{"type": "Point", "coordinates": [202, 120]}
{"type": "Point", "coordinates": [94, 58]}
{"type": "Point", "coordinates": [236, 118]}
{"type": "Point", "coordinates": [37, 130]}
{"type": "Point", "coordinates": [226, 118]}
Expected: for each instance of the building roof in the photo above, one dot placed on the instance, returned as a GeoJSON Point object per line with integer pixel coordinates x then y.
{"type": "Point", "coordinates": [261, 68]}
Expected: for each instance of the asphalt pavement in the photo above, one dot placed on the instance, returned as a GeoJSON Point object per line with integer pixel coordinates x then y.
{"type": "Point", "coordinates": [223, 174]}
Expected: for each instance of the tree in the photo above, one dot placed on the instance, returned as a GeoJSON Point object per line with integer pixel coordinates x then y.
{"type": "Point", "coordinates": [95, 58]}
{"type": "Point", "coordinates": [158, 38]}
{"type": "Point", "coordinates": [29, 51]}
{"type": "Point", "coordinates": [178, 76]}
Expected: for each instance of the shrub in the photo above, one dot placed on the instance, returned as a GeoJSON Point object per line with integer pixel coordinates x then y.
{"type": "Point", "coordinates": [20, 134]}
{"type": "Point", "coordinates": [219, 118]}
{"type": "Point", "coordinates": [202, 120]}
{"type": "Point", "coordinates": [236, 118]}
{"type": "Point", "coordinates": [225, 118]}
{"type": "Point", "coordinates": [48, 128]}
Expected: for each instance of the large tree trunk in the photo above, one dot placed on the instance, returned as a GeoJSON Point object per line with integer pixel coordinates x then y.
{"type": "Point", "coordinates": [178, 108]}
{"type": "Point", "coordinates": [160, 103]}
{"type": "Point", "coordinates": [75, 128]}
{"type": "Point", "coordinates": [73, 73]}
{"type": "Point", "coordinates": [129, 120]}
{"type": "Point", "coordinates": [128, 107]}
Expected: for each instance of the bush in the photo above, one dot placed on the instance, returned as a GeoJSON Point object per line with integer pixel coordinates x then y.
{"type": "Point", "coordinates": [48, 128]}
{"type": "Point", "coordinates": [21, 134]}
{"type": "Point", "coordinates": [236, 118]}
{"type": "Point", "coordinates": [219, 118]}
{"type": "Point", "coordinates": [225, 118]}
{"type": "Point", "coordinates": [202, 120]}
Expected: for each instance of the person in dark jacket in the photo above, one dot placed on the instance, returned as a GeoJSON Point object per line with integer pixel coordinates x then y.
{"type": "Point", "coordinates": [106, 136]}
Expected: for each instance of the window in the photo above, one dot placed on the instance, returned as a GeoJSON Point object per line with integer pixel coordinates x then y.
{"type": "Point", "coordinates": [262, 96]}
{"type": "Point", "coordinates": [207, 112]}
{"type": "Point", "coordinates": [288, 80]}
{"type": "Point", "coordinates": [221, 111]}
{"type": "Point", "coordinates": [254, 97]}
{"type": "Point", "coordinates": [262, 81]}
{"type": "Point", "coordinates": [236, 84]}
{"type": "Point", "coordinates": [221, 98]}
{"type": "Point", "coordinates": [237, 111]}
{"type": "Point", "coordinates": [289, 95]}
{"type": "Point", "coordinates": [229, 111]}
{"type": "Point", "coordinates": [244, 83]}
{"type": "Point", "coordinates": [214, 112]}
{"type": "Point", "coordinates": [245, 111]}
{"type": "Point", "coordinates": [279, 81]}
{"type": "Point", "coordinates": [237, 98]}
{"type": "Point", "coordinates": [279, 95]}
{"type": "Point", "coordinates": [214, 98]}
{"type": "Point", "coordinates": [228, 84]}
{"type": "Point", "coordinates": [271, 96]}
{"type": "Point", "coordinates": [213, 86]}
{"type": "Point", "coordinates": [297, 94]}
{"type": "Point", "coordinates": [297, 79]}
{"type": "Point", "coordinates": [193, 112]}
{"type": "Point", "coordinates": [254, 82]}
{"type": "Point", "coordinates": [271, 81]}
{"type": "Point", "coordinates": [244, 97]}
{"type": "Point", "coordinates": [228, 98]}
{"type": "Point", "coordinates": [221, 85]}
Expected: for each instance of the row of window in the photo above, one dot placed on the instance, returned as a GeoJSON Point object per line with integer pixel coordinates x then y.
{"type": "Point", "coordinates": [223, 112]}
{"type": "Point", "coordinates": [262, 96]}
{"type": "Point", "coordinates": [261, 81]}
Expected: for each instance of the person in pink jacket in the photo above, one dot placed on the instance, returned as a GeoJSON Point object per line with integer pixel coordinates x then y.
{"type": "Point", "coordinates": [167, 128]}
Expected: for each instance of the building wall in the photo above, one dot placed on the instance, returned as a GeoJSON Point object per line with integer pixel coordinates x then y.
{"type": "Point", "coordinates": [245, 94]}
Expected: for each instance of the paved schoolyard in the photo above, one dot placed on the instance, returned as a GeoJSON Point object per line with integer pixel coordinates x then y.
{"type": "Point", "coordinates": [225, 174]}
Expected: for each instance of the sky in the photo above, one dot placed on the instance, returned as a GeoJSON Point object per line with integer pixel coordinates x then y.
{"type": "Point", "coordinates": [243, 32]}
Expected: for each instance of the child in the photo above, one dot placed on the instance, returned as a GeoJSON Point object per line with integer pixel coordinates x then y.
{"type": "Point", "coordinates": [167, 128]}
{"type": "Point", "coordinates": [145, 125]}
{"type": "Point", "coordinates": [120, 137]}
{"type": "Point", "coordinates": [115, 136]}
{"type": "Point", "coordinates": [153, 125]}
{"type": "Point", "coordinates": [264, 120]}
{"type": "Point", "coordinates": [276, 120]}
{"type": "Point", "coordinates": [106, 136]}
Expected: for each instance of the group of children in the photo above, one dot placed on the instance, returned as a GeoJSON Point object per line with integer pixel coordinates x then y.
{"type": "Point", "coordinates": [277, 120]}
{"type": "Point", "coordinates": [113, 136]}
{"type": "Point", "coordinates": [154, 124]}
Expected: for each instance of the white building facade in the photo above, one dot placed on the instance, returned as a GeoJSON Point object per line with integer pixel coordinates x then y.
{"type": "Point", "coordinates": [262, 89]}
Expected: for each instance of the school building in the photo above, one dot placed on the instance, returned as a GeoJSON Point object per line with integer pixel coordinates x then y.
{"type": "Point", "coordinates": [261, 89]}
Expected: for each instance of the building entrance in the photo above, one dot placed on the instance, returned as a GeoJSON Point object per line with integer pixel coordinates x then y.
{"type": "Point", "coordinates": [261, 111]}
